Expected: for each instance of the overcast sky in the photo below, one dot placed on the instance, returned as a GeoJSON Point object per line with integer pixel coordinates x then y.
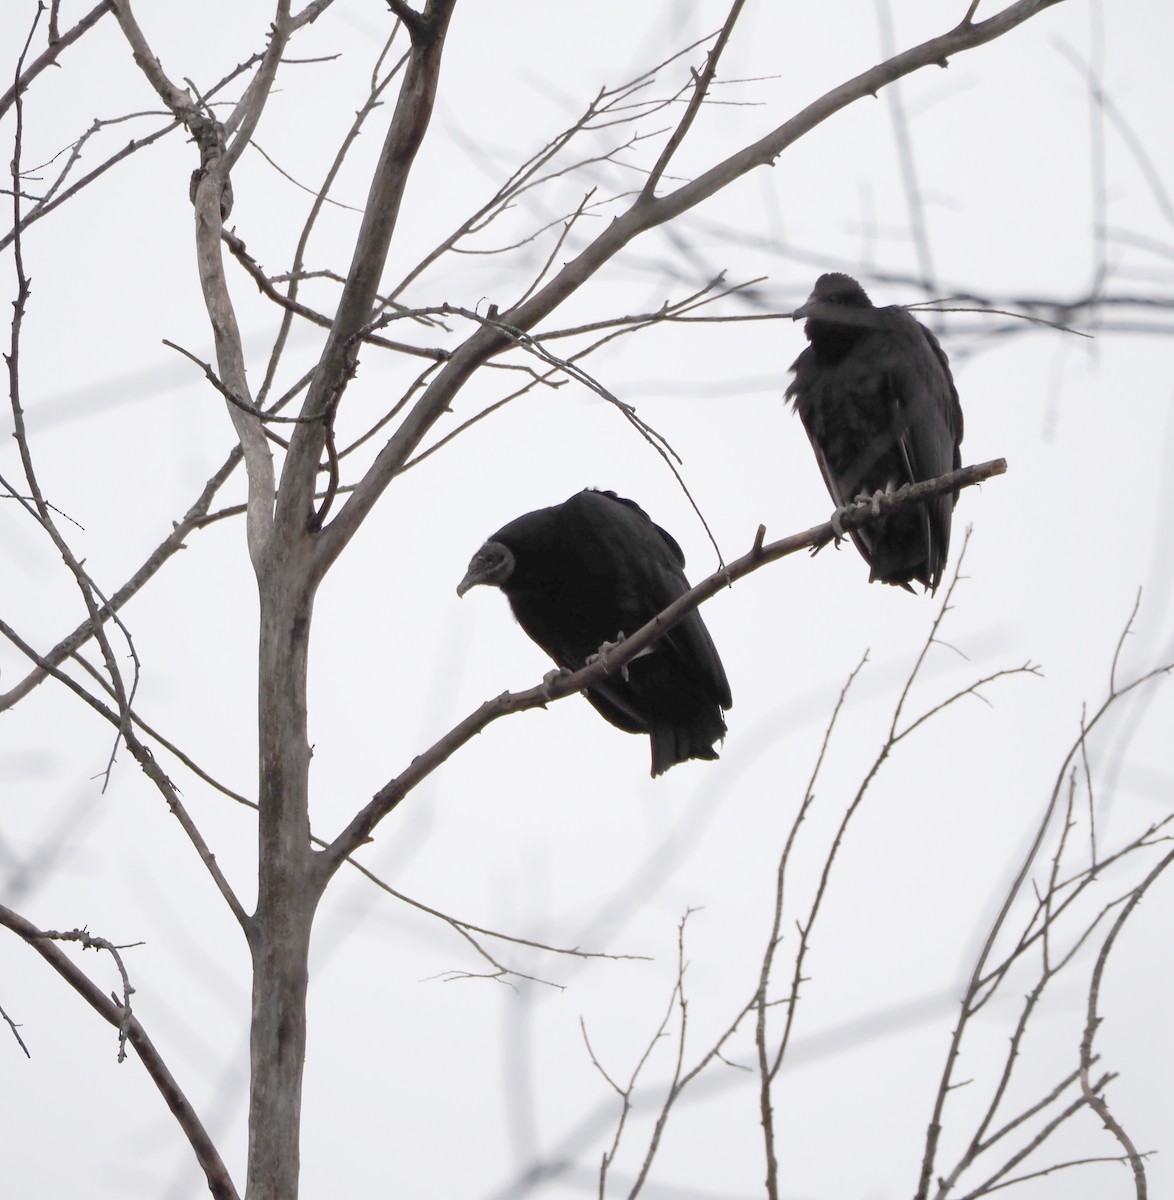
{"type": "Point", "coordinates": [547, 825]}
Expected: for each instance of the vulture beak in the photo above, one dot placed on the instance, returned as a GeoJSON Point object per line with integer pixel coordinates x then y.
{"type": "Point", "coordinates": [473, 576]}
{"type": "Point", "coordinates": [801, 311]}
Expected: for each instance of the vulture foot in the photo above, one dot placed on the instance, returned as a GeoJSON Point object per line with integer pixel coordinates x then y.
{"type": "Point", "coordinates": [551, 678]}
{"type": "Point", "coordinates": [601, 655]}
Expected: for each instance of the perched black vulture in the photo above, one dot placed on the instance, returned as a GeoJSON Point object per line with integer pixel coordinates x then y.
{"type": "Point", "coordinates": [876, 397]}
{"type": "Point", "coordinates": [585, 572]}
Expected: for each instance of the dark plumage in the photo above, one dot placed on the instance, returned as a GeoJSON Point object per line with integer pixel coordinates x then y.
{"type": "Point", "coordinates": [876, 397]}
{"type": "Point", "coordinates": [582, 573]}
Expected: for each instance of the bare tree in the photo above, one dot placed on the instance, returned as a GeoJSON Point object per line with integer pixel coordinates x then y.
{"type": "Point", "coordinates": [320, 448]}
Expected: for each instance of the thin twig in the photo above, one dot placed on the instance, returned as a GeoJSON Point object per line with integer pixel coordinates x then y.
{"type": "Point", "coordinates": [48, 58]}
{"type": "Point", "coordinates": [1094, 1093]}
{"type": "Point", "coordinates": [15, 1032]}
{"type": "Point", "coordinates": [701, 84]}
{"type": "Point", "coordinates": [767, 1070]}
{"type": "Point", "coordinates": [984, 981]}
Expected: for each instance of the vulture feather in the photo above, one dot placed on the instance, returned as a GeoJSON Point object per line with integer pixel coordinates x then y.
{"type": "Point", "coordinates": [874, 392]}
{"type": "Point", "coordinates": [589, 571]}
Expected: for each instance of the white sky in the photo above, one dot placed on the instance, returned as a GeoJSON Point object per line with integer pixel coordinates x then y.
{"type": "Point", "coordinates": [547, 825]}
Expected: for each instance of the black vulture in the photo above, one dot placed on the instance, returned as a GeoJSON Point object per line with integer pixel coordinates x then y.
{"type": "Point", "coordinates": [876, 397]}
{"type": "Point", "coordinates": [589, 571]}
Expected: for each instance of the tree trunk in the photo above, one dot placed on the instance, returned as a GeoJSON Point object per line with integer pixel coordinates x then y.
{"type": "Point", "coordinates": [288, 887]}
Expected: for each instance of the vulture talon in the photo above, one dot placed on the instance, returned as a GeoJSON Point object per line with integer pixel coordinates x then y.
{"type": "Point", "coordinates": [553, 677]}
{"type": "Point", "coordinates": [604, 650]}
{"type": "Point", "coordinates": [838, 530]}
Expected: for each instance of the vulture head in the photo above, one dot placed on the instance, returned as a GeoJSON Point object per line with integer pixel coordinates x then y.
{"type": "Point", "coordinates": [493, 564]}
{"type": "Point", "coordinates": [838, 312]}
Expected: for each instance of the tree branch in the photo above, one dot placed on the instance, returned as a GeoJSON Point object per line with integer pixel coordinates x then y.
{"type": "Point", "coordinates": [644, 214]}
{"type": "Point", "coordinates": [267, 288]}
{"type": "Point", "coordinates": [173, 543]}
{"type": "Point", "coordinates": [409, 123]}
{"type": "Point", "coordinates": [701, 85]}
{"type": "Point", "coordinates": [386, 799]}
{"type": "Point", "coordinates": [1092, 1093]}
{"type": "Point", "coordinates": [177, 99]}
{"type": "Point", "coordinates": [980, 981]}
{"type": "Point", "coordinates": [219, 1182]}
{"type": "Point", "coordinates": [209, 191]}
{"type": "Point", "coordinates": [48, 57]}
